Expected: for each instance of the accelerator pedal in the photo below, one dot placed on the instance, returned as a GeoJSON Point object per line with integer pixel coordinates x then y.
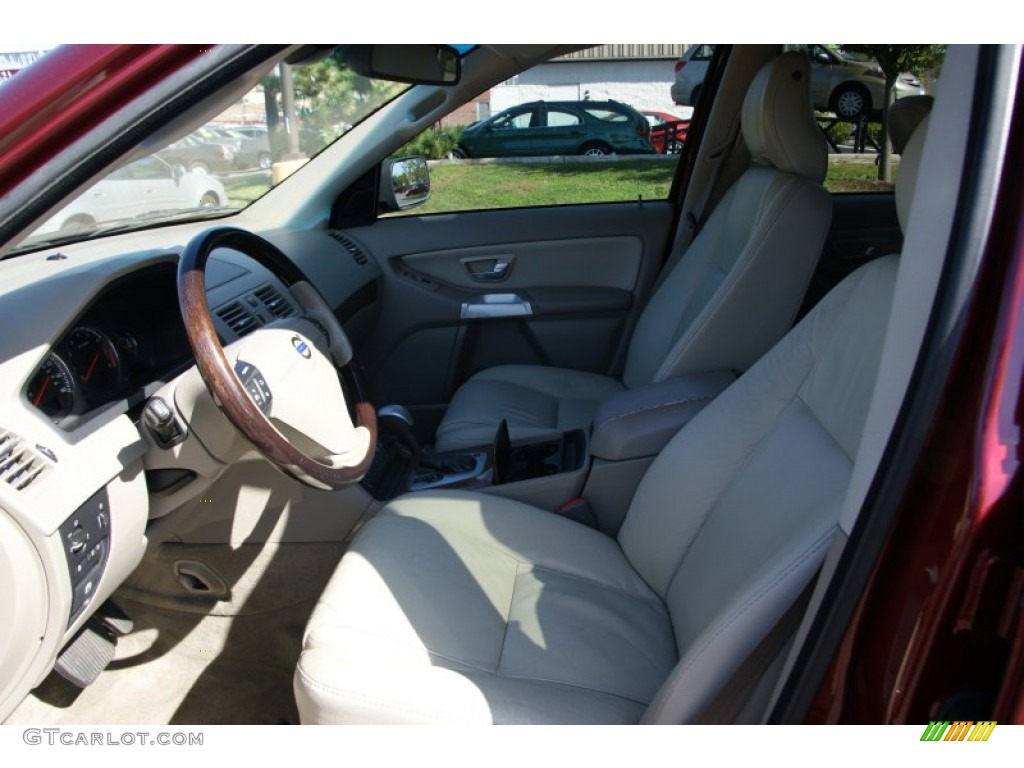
{"type": "Point", "coordinates": [114, 619]}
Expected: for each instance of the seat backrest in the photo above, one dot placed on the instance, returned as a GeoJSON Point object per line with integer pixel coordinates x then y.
{"type": "Point", "coordinates": [733, 518]}
{"type": "Point", "coordinates": [737, 288]}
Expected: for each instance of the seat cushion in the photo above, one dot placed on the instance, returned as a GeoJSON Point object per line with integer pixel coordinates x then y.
{"type": "Point", "coordinates": [536, 400]}
{"type": "Point", "coordinates": [462, 607]}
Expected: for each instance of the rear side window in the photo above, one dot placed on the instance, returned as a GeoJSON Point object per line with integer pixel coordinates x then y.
{"type": "Point", "coordinates": [608, 115]}
{"type": "Point", "coordinates": [560, 117]}
{"type": "Point", "coordinates": [848, 97]}
{"type": "Point", "coordinates": [703, 53]}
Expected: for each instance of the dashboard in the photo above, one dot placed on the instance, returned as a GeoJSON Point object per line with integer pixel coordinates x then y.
{"type": "Point", "coordinates": [91, 333]}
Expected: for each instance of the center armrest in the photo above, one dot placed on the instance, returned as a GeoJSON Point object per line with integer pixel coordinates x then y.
{"type": "Point", "coordinates": [640, 421]}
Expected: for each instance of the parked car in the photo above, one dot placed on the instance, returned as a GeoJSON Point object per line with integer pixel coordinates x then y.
{"type": "Point", "coordinates": [843, 83]}
{"type": "Point", "coordinates": [690, 71]}
{"type": "Point", "coordinates": [187, 440]}
{"type": "Point", "coordinates": [254, 149]}
{"type": "Point", "coordinates": [591, 128]}
{"type": "Point", "coordinates": [149, 187]}
{"type": "Point", "coordinates": [201, 155]}
{"type": "Point", "coordinates": [668, 132]}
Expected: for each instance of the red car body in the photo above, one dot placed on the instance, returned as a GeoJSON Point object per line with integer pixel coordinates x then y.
{"type": "Point", "coordinates": [941, 611]}
{"type": "Point", "coordinates": [668, 132]}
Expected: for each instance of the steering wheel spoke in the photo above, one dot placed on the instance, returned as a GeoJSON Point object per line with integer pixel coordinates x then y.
{"type": "Point", "coordinates": [281, 386]}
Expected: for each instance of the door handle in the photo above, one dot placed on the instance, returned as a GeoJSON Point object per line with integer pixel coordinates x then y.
{"type": "Point", "coordinates": [488, 269]}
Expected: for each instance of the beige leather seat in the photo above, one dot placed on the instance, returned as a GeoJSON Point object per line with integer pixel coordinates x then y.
{"type": "Point", "coordinates": [469, 608]}
{"type": "Point", "coordinates": [725, 303]}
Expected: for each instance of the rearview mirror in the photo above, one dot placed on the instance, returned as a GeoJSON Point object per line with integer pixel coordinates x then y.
{"type": "Point", "coordinates": [405, 182]}
{"type": "Point", "coordinates": [416, 64]}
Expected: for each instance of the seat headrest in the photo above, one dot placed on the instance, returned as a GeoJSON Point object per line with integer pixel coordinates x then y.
{"type": "Point", "coordinates": [778, 124]}
{"type": "Point", "coordinates": [904, 117]}
{"type": "Point", "coordinates": [910, 164]}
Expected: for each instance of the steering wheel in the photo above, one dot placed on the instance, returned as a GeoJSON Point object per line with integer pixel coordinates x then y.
{"type": "Point", "coordinates": [282, 386]}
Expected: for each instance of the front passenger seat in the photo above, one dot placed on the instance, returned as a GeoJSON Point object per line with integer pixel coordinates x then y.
{"type": "Point", "coordinates": [724, 304]}
{"type": "Point", "coordinates": [464, 607]}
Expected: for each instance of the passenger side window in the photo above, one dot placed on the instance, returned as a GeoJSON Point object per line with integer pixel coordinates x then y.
{"type": "Point", "coordinates": [616, 118]}
{"type": "Point", "coordinates": [598, 144]}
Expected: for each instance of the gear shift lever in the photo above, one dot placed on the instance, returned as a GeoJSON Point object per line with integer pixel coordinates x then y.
{"type": "Point", "coordinates": [396, 420]}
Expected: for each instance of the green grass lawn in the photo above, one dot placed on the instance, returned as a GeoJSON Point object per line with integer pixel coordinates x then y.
{"type": "Point", "coordinates": [243, 193]}
{"type": "Point", "coordinates": [462, 186]}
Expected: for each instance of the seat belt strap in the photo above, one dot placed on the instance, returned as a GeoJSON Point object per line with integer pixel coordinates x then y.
{"type": "Point", "coordinates": [698, 214]}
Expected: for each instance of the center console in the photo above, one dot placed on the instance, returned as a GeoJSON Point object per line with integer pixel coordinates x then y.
{"type": "Point", "coordinates": [544, 471]}
{"type": "Point", "coordinates": [602, 465]}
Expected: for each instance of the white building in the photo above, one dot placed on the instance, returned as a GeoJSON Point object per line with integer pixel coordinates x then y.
{"type": "Point", "coordinates": [12, 61]}
{"type": "Point", "coordinates": [638, 75]}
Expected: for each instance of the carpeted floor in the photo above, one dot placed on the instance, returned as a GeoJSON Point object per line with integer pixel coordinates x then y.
{"type": "Point", "coordinates": [195, 661]}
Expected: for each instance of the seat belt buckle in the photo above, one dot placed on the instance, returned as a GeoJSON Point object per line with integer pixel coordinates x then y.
{"type": "Point", "coordinates": [580, 511]}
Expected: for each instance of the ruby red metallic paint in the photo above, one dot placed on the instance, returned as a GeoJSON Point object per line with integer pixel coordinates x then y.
{"type": "Point", "coordinates": [939, 628]}
{"type": "Point", "coordinates": [69, 92]}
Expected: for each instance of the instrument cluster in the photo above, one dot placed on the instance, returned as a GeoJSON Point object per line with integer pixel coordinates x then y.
{"type": "Point", "coordinates": [129, 337]}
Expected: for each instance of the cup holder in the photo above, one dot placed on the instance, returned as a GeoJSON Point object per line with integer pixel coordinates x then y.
{"type": "Point", "coordinates": [547, 458]}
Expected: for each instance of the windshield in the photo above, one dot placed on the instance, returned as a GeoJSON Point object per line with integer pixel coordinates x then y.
{"type": "Point", "coordinates": [231, 161]}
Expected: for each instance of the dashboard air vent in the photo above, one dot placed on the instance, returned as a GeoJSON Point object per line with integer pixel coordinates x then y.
{"type": "Point", "coordinates": [20, 466]}
{"type": "Point", "coordinates": [238, 318]}
{"type": "Point", "coordinates": [356, 252]}
{"type": "Point", "coordinates": [273, 301]}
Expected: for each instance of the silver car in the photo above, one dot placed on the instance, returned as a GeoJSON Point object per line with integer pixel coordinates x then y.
{"type": "Point", "coordinates": [138, 189]}
{"type": "Point", "coordinates": [843, 83]}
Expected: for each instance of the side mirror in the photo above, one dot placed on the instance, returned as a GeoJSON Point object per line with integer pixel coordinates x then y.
{"type": "Point", "coordinates": [416, 64]}
{"type": "Point", "coordinates": [405, 183]}
{"type": "Point", "coordinates": [177, 171]}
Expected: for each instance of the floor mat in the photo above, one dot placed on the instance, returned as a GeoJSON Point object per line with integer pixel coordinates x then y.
{"type": "Point", "coordinates": [182, 668]}
{"type": "Point", "coordinates": [191, 662]}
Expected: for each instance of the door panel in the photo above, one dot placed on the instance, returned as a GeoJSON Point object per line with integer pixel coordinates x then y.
{"type": "Point", "coordinates": [612, 262]}
{"type": "Point", "coordinates": [582, 270]}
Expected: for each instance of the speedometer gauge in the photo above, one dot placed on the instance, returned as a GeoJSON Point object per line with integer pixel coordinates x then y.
{"type": "Point", "coordinates": [94, 361]}
{"type": "Point", "coordinates": [52, 389]}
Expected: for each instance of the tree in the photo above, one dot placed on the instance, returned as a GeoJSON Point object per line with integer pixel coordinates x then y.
{"type": "Point", "coordinates": [328, 98]}
{"type": "Point", "coordinates": [331, 96]}
{"type": "Point", "coordinates": [894, 60]}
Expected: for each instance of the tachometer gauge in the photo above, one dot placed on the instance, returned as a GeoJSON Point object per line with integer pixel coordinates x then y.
{"type": "Point", "coordinates": [94, 361]}
{"type": "Point", "coordinates": [52, 389]}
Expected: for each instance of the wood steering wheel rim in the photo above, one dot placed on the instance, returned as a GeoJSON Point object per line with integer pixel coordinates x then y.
{"type": "Point", "coordinates": [228, 391]}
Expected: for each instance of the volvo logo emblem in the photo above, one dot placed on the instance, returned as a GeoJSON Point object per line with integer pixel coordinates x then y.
{"type": "Point", "coordinates": [302, 347]}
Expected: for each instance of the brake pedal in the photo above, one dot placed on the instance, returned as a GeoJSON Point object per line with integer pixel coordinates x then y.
{"type": "Point", "coordinates": [87, 655]}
